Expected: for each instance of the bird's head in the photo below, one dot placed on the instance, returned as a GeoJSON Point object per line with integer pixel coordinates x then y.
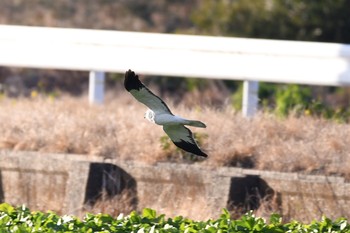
{"type": "Point", "coordinates": [149, 115]}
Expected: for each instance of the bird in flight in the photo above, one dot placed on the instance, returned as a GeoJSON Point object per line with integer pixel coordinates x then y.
{"type": "Point", "coordinates": [160, 114]}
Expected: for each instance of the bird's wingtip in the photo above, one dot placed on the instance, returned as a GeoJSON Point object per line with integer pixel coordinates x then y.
{"type": "Point", "coordinates": [132, 81]}
{"type": "Point", "coordinates": [189, 147]}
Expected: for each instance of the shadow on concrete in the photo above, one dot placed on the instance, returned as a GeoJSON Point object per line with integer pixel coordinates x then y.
{"type": "Point", "coordinates": [250, 193]}
{"type": "Point", "coordinates": [107, 181]}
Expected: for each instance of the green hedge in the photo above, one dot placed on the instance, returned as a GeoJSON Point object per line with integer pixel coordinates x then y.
{"type": "Point", "coordinates": [21, 219]}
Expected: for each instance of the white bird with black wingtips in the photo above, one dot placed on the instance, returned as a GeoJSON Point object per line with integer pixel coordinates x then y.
{"type": "Point", "coordinates": [159, 113]}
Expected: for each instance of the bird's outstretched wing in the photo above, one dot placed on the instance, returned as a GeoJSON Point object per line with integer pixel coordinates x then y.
{"type": "Point", "coordinates": [182, 137]}
{"type": "Point", "coordinates": [133, 85]}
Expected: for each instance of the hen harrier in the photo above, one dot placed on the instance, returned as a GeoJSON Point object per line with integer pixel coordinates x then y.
{"type": "Point", "coordinates": [159, 113]}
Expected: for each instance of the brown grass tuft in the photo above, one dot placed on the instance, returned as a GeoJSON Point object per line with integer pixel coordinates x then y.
{"type": "Point", "coordinates": [123, 203]}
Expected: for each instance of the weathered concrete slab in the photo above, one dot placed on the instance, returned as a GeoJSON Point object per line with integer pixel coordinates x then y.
{"type": "Point", "coordinates": [180, 189]}
{"type": "Point", "coordinates": [42, 181]}
{"type": "Point", "coordinates": [306, 195]}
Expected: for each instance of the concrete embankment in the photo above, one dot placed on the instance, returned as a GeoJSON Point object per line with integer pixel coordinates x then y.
{"type": "Point", "coordinates": [65, 183]}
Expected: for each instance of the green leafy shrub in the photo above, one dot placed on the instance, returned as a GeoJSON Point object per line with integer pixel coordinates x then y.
{"type": "Point", "coordinates": [237, 97]}
{"type": "Point", "coordinates": [20, 219]}
{"type": "Point", "coordinates": [284, 99]}
{"type": "Point", "coordinates": [292, 98]}
{"type": "Point", "coordinates": [299, 100]}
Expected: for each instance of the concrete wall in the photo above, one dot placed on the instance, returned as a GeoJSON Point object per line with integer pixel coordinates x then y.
{"type": "Point", "coordinates": [65, 183]}
{"type": "Point", "coordinates": [42, 182]}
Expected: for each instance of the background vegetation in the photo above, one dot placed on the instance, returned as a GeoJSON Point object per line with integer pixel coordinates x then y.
{"type": "Point", "coordinates": [324, 20]}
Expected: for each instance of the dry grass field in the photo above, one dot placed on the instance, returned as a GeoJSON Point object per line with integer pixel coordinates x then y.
{"type": "Point", "coordinates": [118, 129]}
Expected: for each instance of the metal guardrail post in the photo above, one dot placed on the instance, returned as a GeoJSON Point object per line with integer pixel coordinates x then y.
{"type": "Point", "coordinates": [250, 98]}
{"type": "Point", "coordinates": [96, 87]}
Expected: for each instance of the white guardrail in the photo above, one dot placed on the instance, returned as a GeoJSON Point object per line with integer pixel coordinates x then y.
{"type": "Point", "coordinates": [250, 60]}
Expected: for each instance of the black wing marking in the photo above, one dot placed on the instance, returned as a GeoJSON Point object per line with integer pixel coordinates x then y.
{"type": "Point", "coordinates": [133, 85]}
{"type": "Point", "coordinates": [182, 137]}
{"type": "Point", "coordinates": [132, 82]}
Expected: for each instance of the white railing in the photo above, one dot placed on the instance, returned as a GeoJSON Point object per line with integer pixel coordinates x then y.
{"type": "Point", "coordinates": [250, 60]}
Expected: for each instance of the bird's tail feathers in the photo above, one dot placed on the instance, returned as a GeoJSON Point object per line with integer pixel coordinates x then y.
{"type": "Point", "coordinates": [196, 124]}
